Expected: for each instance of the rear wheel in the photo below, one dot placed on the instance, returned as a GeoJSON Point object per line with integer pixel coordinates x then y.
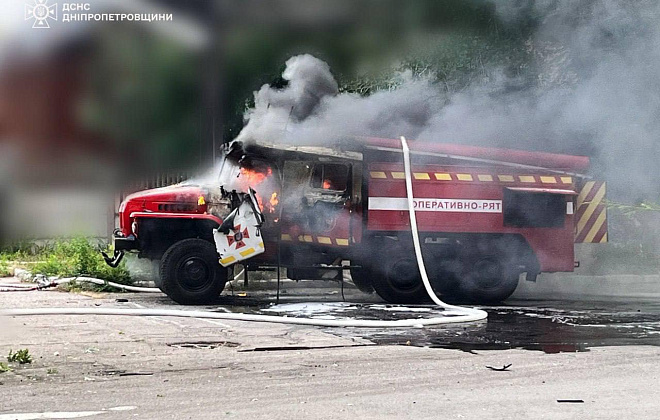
{"type": "Point", "coordinates": [398, 279]}
{"type": "Point", "coordinates": [362, 278]}
{"type": "Point", "coordinates": [190, 273]}
{"type": "Point", "coordinates": [489, 279]}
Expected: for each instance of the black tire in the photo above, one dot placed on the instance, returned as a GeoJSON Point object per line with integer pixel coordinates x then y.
{"type": "Point", "coordinates": [490, 279]}
{"type": "Point", "coordinates": [362, 279]}
{"type": "Point", "coordinates": [398, 279]}
{"type": "Point", "coordinates": [190, 272]}
{"type": "Point", "coordinates": [155, 264]}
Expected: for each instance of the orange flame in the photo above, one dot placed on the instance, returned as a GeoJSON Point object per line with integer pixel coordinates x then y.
{"type": "Point", "coordinates": [251, 178]}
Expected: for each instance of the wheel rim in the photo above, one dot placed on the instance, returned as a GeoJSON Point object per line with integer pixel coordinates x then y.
{"type": "Point", "coordinates": [403, 275]}
{"type": "Point", "coordinates": [194, 274]}
{"type": "Point", "coordinates": [488, 274]}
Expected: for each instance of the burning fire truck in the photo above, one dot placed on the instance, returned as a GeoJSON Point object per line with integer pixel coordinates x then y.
{"type": "Point", "coordinates": [486, 217]}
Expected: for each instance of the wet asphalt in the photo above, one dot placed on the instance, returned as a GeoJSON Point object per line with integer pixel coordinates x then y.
{"type": "Point", "coordinates": [550, 326]}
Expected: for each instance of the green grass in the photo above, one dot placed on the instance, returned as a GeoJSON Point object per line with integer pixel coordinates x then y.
{"type": "Point", "coordinates": [21, 357]}
{"type": "Point", "coordinates": [73, 257]}
{"type": "Point", "coordinates": [4, 266]}
{"type": "Point", "coordinates": [4, 367]}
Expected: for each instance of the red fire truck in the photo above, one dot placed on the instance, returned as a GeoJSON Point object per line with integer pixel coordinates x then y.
{"type": "Point", "coordinates": [486, 218]}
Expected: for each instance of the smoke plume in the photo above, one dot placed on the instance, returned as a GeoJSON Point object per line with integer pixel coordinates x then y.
{"type": "Point", "coordinates": [596, 92]}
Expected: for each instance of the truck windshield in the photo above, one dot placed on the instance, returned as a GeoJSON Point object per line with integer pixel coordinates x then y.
{"type": "Point", "coordinates": [252, 173]}
{"type": "Point", "coordinates": [229, 171]}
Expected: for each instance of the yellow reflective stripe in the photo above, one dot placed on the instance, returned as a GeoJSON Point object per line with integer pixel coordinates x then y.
{"type": "Point", "coordinates": [247, 252]}
{"type": "Point", "coordinates": [227, 260]}
{"type": "Point", "coordinates": [604, 239]}
{"type": "Point", "coordinates": [325, 240]}
{"type": "Point", "coordinates": [421, 175]}
{"type": "Point", "coordinates": [566, 179]}
{"type": "Point", "coordinates": [398, 175]}
{"type": "Point", "coordinates": [464, 177]}
{"type": "Point", "coordinates": [505, 178]}
{"type": "Point", "coordinates": [486, 178]}
{"type": "Point", "coordinates": [261, 245]}
{"type": "Point", "coordinates": [527, 178]}
{"type": "Point", "coordinates": [286, 237]}
{"type": "Point", "coordinates": [342, 242]}
{"type": "Point", "coordinates": [548, 180]}
{"type": "Point", "coordinates": [378, 174]}
{"type": "Point", "coordinates": [443, 177]}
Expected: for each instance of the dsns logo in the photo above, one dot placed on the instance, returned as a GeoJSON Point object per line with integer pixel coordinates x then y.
{"type": "Point", "coordinates": [40, 12]}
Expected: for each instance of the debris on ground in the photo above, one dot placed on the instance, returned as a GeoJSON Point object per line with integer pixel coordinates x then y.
{"type": "Point", "coordinates": [502, 369]}
{"type": "Point", "coordinates": [136, 374]}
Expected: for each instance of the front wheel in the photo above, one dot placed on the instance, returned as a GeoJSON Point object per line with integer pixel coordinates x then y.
{"type": "Point", "coordinates": [190, 272]}
{"type": "Point", "coordinates": [155, 270]}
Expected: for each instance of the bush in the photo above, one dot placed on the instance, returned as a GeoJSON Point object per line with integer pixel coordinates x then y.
{"type": "Point", "coordinates": [78, 257]}
{"type": "Point", "coordinates": [4, 268]}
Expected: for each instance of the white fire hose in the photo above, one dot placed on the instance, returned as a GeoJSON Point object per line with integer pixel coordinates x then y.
{"type": "Point", "coordinates": [470, 314]}
{"type": "Point", "coordinates": [450, 314]}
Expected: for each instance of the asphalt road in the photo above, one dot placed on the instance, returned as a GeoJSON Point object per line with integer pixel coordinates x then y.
{"type": "Point", "coordinates": [601, 357]}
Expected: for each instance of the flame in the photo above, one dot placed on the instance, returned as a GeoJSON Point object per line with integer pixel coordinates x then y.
{"type": "Point", "coordinates": [254, 179]}
{"type": "Point", "coordinates": [251, 178]}
{"type": "Point", "coordinates": [326, 184]}
{"type": "Point", "coordinates": [274, 201]}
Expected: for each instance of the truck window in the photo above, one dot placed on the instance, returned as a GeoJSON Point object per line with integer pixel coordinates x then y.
{"type": "Point", "coordinates": [525, 209]}
{"type": "Point", "coordinates": [330, 176]}
{"type": "Point", "coordinates": [228, 171]}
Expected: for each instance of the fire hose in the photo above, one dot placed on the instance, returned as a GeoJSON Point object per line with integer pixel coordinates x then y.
{"type": "Point", "coordinates": [451, 313]}
{"type": "Point", "coordinates": [81, 279]}
{"type": "Point", "coordinates": [17, 287]}
{"type": "Point", "coordinates": [471, 314]}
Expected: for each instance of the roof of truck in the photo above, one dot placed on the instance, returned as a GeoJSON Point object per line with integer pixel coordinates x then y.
{"type": "Point", "coordinates": [337, 152]}
{"type": "Point", "coordinates": [353, 149]}
{"type": "Point", "coordinates": [484, 154]}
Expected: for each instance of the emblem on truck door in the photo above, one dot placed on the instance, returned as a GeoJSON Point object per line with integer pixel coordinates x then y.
{"type": "Point", "coordinates": [238, 237]}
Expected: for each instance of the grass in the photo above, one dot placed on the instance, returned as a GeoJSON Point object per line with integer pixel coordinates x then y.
{"type": "Point", "coordinates": [4, 267]}
{"type": "Point", "coordinates": [21, 357]}
{"type": "Point", "coordinates": [73, 257]}
{"type": "Point", "coordinates": [4, 367]}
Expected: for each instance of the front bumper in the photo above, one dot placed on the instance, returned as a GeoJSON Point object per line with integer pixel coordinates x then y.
{"type": "Point", "coordinates": [124, 244]}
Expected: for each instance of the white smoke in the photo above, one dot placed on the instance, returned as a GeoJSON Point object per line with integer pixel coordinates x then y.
{"type": "Point", "coordinates": [597, 93]}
